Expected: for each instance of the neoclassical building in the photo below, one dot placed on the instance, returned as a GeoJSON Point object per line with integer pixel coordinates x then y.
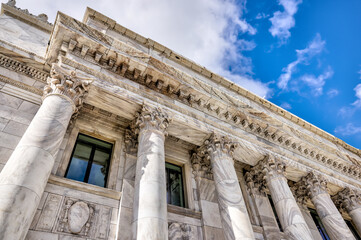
{"type": "Point", "coordinates": [106, 134]}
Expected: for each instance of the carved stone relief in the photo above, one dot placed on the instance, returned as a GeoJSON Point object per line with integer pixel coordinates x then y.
{"type": "Point", "coordinates": [76, 217]}
{"type": "Point", "coordinates": [182, 231]}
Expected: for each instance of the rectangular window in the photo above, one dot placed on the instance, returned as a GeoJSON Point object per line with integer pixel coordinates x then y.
{"type": "Point", "coordinates": [90, 161]}
{"type": "Point", "coordinates": [175, 194]}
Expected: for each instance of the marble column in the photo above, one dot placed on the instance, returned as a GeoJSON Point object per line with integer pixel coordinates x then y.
{"type": "Point", "coordinates": [24, 177]}
{"type": "Point", "coordinates": [150, 203]}
{"type": "Point", "coordinates": [301, 199]}
{"type": "Point", "coordinates": [331, 218]}
{"type": "Point", "coordinates": [290, 216]}
{"type": "Point", "coordinates": [235, 220]}
{"type": "Point", "coordinates": [349, 200]}
{"type": "Point", "coordinates": [256, 187]}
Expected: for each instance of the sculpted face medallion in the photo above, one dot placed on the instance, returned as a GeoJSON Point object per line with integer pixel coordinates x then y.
{"type": "Point", "coordinates": [78, 216]}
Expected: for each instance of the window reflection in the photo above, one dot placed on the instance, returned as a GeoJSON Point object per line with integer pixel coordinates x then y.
{"type": "Point", "coordinates": [174, 185]}
{"type": "Point", "coordinates": [90, 161]}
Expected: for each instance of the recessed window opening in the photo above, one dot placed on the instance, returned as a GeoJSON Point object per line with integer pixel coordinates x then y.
{"type": "Point", "coordinates": [175, 191]}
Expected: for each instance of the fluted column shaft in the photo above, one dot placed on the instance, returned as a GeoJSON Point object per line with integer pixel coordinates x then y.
{"type": "Point", "coordinates": [235, 220]}
{"type": "Point", "coordinates": [349, 200]}
{"type": "Point", "coordinates": [150, 203]}
{"type": "Point", "coordinates": [331, 218]}
{"type": "Point", "coordinates": [24, 177]}
{"type": "Point", "coordinates": [291, 218]}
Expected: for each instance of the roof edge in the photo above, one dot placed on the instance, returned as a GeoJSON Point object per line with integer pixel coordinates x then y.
{"type": "Point", "coordinates": [178, 58]}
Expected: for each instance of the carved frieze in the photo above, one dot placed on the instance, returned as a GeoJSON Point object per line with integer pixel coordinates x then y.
{"type": "Point", "coordinates": [76, 217]}
{"type": "Point", "coordinates": [150, 118]}
{"type": "Point", "coordinates": [347, 199]}
{"type": "Point", "coordinates": [181, 231]}
{"type": "Point", "coordinates": [67, 84]}
{"type": "Point", "coordinates": [21, 68]}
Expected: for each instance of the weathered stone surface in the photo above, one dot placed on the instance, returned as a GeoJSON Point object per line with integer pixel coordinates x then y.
{"type": "Point", "coordinates": [78, 216]}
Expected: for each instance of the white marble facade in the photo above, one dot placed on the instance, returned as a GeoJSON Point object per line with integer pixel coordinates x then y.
{"type": "Point", "coordinates": [249, 169]}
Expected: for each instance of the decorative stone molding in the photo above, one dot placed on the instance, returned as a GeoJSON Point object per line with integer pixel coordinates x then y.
{"type": "Point", "coordinates": [230, 114]}
{"type": "Point", "coordinates": [131, 141]}
{"type": "Point", "coordinates": [216, 145]}
{"type": "Point", "coordinates": [347, 199]}
{"type": "Point", "coordinates": [180, 231]}
{"type": "Point", "coordinates": [21, 68]}
{"type": "Point", "coordinates": [314, 183]}
{"type": "Point", "coordinates": [201, 164]}
{"type": "Point", "coordinates": [68, 85]}
{"type": "Point", "coordinates": [42, 17]}
{"type": "Point", "coordinates": [20, 85]}
{"type": "Point", "coordinates": [76, 217]}
{"type": "Point", "coordinates": [151, 119]}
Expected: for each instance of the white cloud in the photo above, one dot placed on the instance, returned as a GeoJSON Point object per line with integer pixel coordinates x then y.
{"type": "Point", "coordinates": [262, 16]}
{"type": "Point", "coordinates": [206, 31]}
{"type": "Point", "coordinates": [317, 83]}
{"type": "Point", "coordinates": [357, 90]}
{"type": "Point", "coordinates": [348, 111]}
{"type": "Point", "coordinates": [282, 22]}
{"type": "Point", "coordinates": [332, 93]}
{"type": "Point", "coordinates": [303, 56]}
{"type": "Point", "coordinates": [348, 130]}
{"type": "Point", "coordinates": [286, 105]}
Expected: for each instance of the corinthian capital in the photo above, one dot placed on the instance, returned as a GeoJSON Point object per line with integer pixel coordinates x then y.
{"type": "Point", "coordinates": [271, 167]}
{"type": "Point", "coordinates": [255, 181]}
{"type": "Point", "coordinates": [151, 119]}
{"type": "Point", "coordinates": [219, 144]}
{"type": "Point", "coordinates": [347, 199]}
{"type": "Point", "coordinates": [201, 164]}
{"type": "Point", "coordinates": [315, 184]}
{"type": "Point", "coordinates": [68, 85]}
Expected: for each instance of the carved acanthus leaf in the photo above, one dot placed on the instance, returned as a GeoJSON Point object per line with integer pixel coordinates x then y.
{"type": "Point", "coordinates": [314, 183]}
{"type": "Point", "coordinates": [256, 183]}
{"type": "Point", "coordinates": [131, 141]}
{"type": "Point", "coordinates": [347, 199]}
{"type": "Point", "coordinates": [217, 144]}
{"type": "Point", "coordinates": [151, 119]}
{"type": "Point", "coordinates": [201, 164]}
{"type": "Point", "coordinates": [68, 84]}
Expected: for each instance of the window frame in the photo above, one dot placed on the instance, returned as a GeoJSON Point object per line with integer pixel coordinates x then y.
{"type": "Point", "coordinates": [94, 147]}
{"type": "Point", "coordinates": [184, 196]}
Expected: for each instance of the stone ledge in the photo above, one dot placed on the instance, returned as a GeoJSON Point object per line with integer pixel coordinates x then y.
{"type": "Point", "coordinates": [84, 187]}
{"type": "Point", "coordinates": [184, 211]}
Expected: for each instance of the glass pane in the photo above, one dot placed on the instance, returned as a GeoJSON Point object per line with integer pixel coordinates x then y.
{"type": "Point", "coordinates": [79, 162]}
{"type": "Point", "coordinates": [94, 141]}
{"type": "Point", "coordinates": [174, 185]}
{"type": "Point", "coordinates": [98, 171]}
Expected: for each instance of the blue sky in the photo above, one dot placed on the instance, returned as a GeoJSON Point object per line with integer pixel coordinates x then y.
{"type": "Point", "coordinates": [314, 64]}
{"type": "Point", "coordinates": [302, 55]}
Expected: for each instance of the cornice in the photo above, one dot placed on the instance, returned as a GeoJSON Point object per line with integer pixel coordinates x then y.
{"type": "Point", "coordinates": [231, 115]}
{"type": "Point", "coordinates": [156, 75]}
{"type": "Point", "coordinates": [168, 53]}
{"type": "Point", "coordinates": [40, 21]}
